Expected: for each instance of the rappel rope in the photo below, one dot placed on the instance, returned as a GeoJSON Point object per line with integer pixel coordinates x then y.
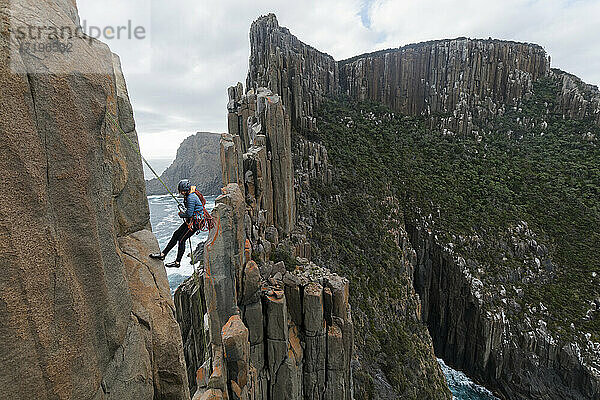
{"type": "Point", "coordinates": [137, 149]}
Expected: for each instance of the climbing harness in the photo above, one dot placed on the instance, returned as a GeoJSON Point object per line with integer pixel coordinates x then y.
{"type": "Point", "coordinates": [201, 221]}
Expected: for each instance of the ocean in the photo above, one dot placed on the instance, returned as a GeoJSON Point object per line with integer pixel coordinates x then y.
{"type": "Point", "coordinates": [462, 387]}
{"type": "Point", "coordinates": [164, 219]}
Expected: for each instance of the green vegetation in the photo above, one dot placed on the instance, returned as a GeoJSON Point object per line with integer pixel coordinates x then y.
{"type": "Point", "coordinates": [356, 236]}
{"type": "Point", "coordinates": [545, 175]}
{"type": "Point", "coordinates": [284, 255]}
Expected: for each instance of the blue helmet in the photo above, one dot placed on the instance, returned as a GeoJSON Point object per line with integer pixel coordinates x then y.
{"type": "Point", "coordinates": [184, 185]}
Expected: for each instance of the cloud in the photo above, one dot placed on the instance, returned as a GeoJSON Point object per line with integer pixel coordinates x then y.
{"type": "Point", "coordinates": [567, 29]}
{"type": "Point", "coordinates": [199, 48]}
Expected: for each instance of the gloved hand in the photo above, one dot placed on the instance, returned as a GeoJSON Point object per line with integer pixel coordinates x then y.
{"type": "Point", "coordinates": [181, 214]}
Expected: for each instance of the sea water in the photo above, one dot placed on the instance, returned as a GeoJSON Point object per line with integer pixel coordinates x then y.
{"type": "Point", "coordinates": [462, 387]}
{"type": "Point", "coordinates": [164, 219]}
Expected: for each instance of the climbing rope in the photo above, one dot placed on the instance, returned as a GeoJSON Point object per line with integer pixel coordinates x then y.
{"type": "Point", "coordinates": [137, 149]}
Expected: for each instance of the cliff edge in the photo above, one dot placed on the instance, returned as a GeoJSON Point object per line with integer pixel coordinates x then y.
{"type": "Point", "coordinates": [260, 321]}
{"type": "Point", "coordinates": [402, 182]}
{"type": "Point", "coordinates": [85, 314]}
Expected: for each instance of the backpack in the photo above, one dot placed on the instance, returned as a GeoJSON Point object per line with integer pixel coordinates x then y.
{"type": "Point", "coordinates": [204, 222]}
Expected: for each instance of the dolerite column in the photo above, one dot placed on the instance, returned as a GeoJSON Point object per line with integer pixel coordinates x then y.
{"type": "Point", "coordinates": [233, 118]}
{"type": "Point", "coordinates": [258, 179]}
{"type": "Point", "coordinates": [340, 339]}
{"type": "Point", "coordinates": [252, 309]}
{"type": "Point", "coordinates": [315, 351]}
{"type": "Point", "coordinates": [232, 161]}
{"type": "Point", "coordinates": [277, 340]}
{"type": "Point", "coordinates": [237, 351]}
{"type": "Point", "coordinates": [223, 260]}
{"type": "Point", "coordinates": [265, 178]}
{"type": "Point", "coordinates": [279, 135]}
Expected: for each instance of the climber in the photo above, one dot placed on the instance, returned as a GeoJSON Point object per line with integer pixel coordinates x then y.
{"type": "Point", "coordinates": [194, 219]}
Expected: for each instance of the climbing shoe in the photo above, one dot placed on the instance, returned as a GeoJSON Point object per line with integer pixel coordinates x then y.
{"type": "Point", "coordinates": [158, 256]}
{"type": "Point", "coordinates": [173, 264]}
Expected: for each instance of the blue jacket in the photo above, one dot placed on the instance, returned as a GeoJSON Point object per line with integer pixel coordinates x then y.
{"type": "Point", "coordinates": [193, 205]}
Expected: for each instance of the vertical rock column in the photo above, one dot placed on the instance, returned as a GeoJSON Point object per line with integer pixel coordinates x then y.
{"type": "Point", "coordinates": [279, 137]}
{"type": "Point", "coordinates": [259, 344]}
{"type": "Point", "coordinates": [257, 167]}
{"type": "Point", "coordinates": [315, 351]}
{"type": "Point", "coordinates": [269, 173]}
{"type": "Point", "coordinates": [223, 260]}
{"type": "Point", "coordinates": [273, 334]}
{"type": "Point", "coordinates": [85, 313]}
{"type": "Point", "coordinates": [191, 307]}
{"type": "Point", "coordinates": [300, 333]}
{"type": "Point", "coordinates": [231, 161]}
{"type": "Point", "coordinates": [465, 81]}
{"type": "Point", "coordinates": [327, 332]}
{"type": "Point", "coordinates": [237, 352]}
{"type": "Point", "coordinates": [299, 73]}
{"type": "Point", "coordinates": [578, 100]}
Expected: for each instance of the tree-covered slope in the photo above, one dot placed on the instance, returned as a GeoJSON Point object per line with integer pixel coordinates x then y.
{"type": "Point", "coordinates": [547, 175]}
{"type": "Point", "coordinates": [519, 202]}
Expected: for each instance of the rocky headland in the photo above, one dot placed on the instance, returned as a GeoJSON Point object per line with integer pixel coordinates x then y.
{"type": "Point", "coordinates": [495, 286]}
{"type": "Point", "coordinates": [439, 198]}
{"type": "Point", "coordinates": [197, 160]}
{"type": "Point", "coordinates": [257, 321]}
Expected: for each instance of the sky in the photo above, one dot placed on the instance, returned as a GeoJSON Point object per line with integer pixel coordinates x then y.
{"type": "Point", "coordinates": [193, 50]}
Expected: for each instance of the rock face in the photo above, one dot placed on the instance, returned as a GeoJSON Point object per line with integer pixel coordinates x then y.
{"type": "Point", "coordinates": [454, 82]}
{"type": "Point", "coordinates": [300, 74]}
{"type": "Point", "coordinates": [85, 313]}
{"type": "Point", "coordinates": [519, 359]}
{"type": "Point", "coordinates": [267, 166]}
{"type": "Point", "coordinates": [303, 88]}
{"type": "Point", "coordinates": [460, 87]}
{"type": "Point", "coordinates": [275, 326]}
{"type": "Point", "coordinates": [578, 99]}
{"type": "Point", "coordinates": [459, 84]}
{"type": "Point", "coordinates": [197, 160]}
{"type": "Point", "coordinates": [191, 307]}
{"type": "Point", "coordinates": [267, 333]}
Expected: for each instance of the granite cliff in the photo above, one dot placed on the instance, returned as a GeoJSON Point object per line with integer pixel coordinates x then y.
{"type": "Point", "coordinates": [197, 160]}
{"type": "Point", "coordinates": [84, 313]}
{"type": "Point", "coordinates": [508, 291]}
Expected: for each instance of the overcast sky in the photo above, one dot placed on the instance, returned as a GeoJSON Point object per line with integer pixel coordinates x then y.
{"type": "Point", "coordinates": [178, 76]}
